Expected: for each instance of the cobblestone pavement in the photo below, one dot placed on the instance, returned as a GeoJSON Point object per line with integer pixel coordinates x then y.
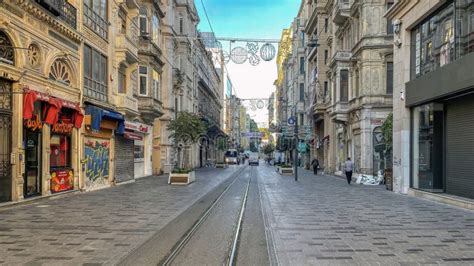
{"type": "Point", "coordinates": [99, 227]}
{"type": "Point", "coordinates": [322, 220]}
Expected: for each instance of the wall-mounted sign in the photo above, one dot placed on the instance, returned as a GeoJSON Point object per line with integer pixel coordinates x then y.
{"type": "Point", "coordinates": [133, 136]}
{"type": "Point", "coordinates": [138, 127]}
{"type": "Point", "coordinates": [34, 124]}
{"type": "Point", "coordinates": [62, 128]}
{"type": "Point", "coordinates": [62, 180]}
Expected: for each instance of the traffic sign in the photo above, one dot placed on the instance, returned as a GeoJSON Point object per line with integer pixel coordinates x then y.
{"type": "Point", "coordinates": [292, 120]}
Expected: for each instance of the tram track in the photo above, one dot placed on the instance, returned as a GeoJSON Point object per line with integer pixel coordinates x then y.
{"type": "Point", "coordinates": [224, 197]}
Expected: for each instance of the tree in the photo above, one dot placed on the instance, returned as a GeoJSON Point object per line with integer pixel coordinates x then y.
{"type": "Point", "coordinates": [387, 131]}
{"type": "Point", "coordinates": [186, 130]}
{"type": "Point", "coordinates": [268, 149]}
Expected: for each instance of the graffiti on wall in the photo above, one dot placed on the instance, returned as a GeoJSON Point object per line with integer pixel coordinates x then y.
{"type": "Point", "coordinates": [96, 154]}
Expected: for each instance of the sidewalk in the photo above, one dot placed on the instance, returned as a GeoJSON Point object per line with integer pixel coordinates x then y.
{"type": "Point", "coordinates": [321, 220]}
{"type": "Point", "coordinates": [97, 227]}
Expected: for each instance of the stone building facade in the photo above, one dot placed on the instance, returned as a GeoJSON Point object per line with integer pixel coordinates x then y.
{"type": "Point", "coordinates": [360, 79]}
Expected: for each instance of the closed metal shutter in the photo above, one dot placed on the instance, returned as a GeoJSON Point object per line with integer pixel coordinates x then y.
{"type": "Point", "coordinates": [124, 165]}
{"type": "Point", "coordinates": [460, 147]}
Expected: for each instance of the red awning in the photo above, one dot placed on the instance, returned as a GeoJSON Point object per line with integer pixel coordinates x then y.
{"type": "Point", "coordinates": [55, 105]}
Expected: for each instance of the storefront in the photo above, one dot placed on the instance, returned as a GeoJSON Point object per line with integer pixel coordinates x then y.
{"type": "Point", "coordinates": [442, 121]}
{"type": "Point", "coordinates": [49, 122]}
{"type": "Point", "coordinates": [98, 145]}
{"type": "Point", "coordinates": [140, 136]}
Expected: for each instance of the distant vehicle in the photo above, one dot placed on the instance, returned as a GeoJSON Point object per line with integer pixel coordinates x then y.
{"type": "Point", "coordinates": [231, 157]}
{"type": "Point", "coordinates": [254, 158]}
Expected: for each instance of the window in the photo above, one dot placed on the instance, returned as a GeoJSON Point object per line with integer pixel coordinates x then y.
{"type": "Point", "coordinates": [122, 79]}
{"type": "Point", "coordinates": [6, 49]}
{"type": "Point", "coordinates": [356, 83]}
{"type": "Point", "coordinates": [326, 54]}
{"type": "Point", "coordinates": [60, 151]}
{"type": "Point", "coordinates": [143, 77]}
{"type": "Point", "coordinates": [389, 23]}
{"type": "Point", "coordinates": [156, 84]}
{"type": "Point", "coordinates": [433, 42]}
{"type": "Point", "coordinates": [301, 92]}
{"type": "Point", "coordinates": [95, 74]}
{"type": "Point", "coordinates": [389, 78]}
{"type": "Point", "coordinates": [326, 89]}
{"type": "Point", "coordinates": [301, 121]}
{"type": "Point", "coordinates": [123, 23]}
{"type": "Point", "coordinates": [302, 38]}
{"type": "Point", "coordinates": [301, 65]}
{"type": "Point", "coordinates": [95, 16]}
{"type": "Point", "coordinates": [464, 27]}
{"type": "Point", "coordinates": [155, 30]}
{"type": "Point", "coordinates": [59, 71]}
{"type": "Point", "coordinates": [181, 26]}
{"type": "Point", "coordinates": [326, 24]}
{"type": "Point", "coordinates": [143, 21]}
{"type": "Point", "coordinates": [344, 85]}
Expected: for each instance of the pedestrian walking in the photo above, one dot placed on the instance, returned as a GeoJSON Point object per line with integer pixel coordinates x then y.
{"type": "Point", "coordinates": [349, 167]}
{"type": "Point", "coordinates": [315, 165]}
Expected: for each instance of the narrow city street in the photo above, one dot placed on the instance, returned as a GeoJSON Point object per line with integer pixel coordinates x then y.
{"type": "Point", "coordinates": [317, 220]}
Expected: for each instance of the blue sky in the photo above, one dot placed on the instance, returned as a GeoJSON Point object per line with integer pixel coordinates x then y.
{"type": "Point", "coordinates": [249, 19]}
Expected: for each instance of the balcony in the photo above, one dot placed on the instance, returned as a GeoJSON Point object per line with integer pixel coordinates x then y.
{"type": "Point", "coordinates": [150, 108]}
{"type": "Point", "coordinates": [61, 9]}
{"type": "Point", "coordinates": [339, 112]}
{"type": "Point", "coordinates": [341, 11]}
{"type": "Point", "coordinates": [127, 104]}
{"type": "Point", "coordinates": [126, 47]}
{"type": "Point", "coordinates": [341, 56]}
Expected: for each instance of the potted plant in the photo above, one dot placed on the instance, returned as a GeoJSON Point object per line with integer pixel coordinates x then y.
{"type": "Point", "coordinates": [185, 131]}
{"type": "Point", "coordinates": [221, 148]}
{"type": "Point", "coordinates": [285, 169]}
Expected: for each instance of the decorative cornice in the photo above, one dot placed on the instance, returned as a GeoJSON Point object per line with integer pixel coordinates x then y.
{"type": "Point", "coordinates": [56, 24]}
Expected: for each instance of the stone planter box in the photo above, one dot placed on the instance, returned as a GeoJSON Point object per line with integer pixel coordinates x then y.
{"type": "Point", "coordinates": [221, 165]}
{"type": "Point", "coordinates": [181, 179]}
{"type": "Point", "coordinates": [285, 170]}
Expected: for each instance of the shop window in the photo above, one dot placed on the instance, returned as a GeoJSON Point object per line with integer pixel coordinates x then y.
{"type": "Point", "coordinates": [427, 148]}
{"type": "Point", "coordinates": [60, 151]}
{"type": "Point", "coordinates": [139, 151]}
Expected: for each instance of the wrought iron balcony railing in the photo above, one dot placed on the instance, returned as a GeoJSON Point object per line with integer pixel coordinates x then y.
{"type": "Point", "coordinates": [61, 9]}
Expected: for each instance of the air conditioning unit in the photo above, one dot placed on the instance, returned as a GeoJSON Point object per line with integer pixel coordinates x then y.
{"type": "Point", "coordinates": [53, 6]}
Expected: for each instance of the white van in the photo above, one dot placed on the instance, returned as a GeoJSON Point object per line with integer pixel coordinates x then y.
{"type": "Point", "coordinates": [254, 158]}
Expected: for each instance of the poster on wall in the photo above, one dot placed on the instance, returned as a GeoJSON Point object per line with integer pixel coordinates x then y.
{"type": "Point", "coordinates": [62, 180]}
{"type": "Point", "coordinates": [96, 152]}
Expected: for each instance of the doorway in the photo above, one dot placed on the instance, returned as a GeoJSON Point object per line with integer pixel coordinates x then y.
{"type": "Point", "coordinates": [5, 141]}
{"type": "Point", "coordinates": [32, 177]}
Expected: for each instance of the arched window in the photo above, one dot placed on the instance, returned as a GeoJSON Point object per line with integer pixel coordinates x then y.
{"type": "Point", "coordinates": [59, 71]}
{"type": "Point", "coordinates": [6, 49]}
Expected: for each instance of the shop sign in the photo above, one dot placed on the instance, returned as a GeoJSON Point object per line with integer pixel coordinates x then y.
{"type": "Point", "coordinates": [34, 123]}
{"type": "Point", "coordinates": [377, 122]}
{"type": "Point", "coordinates": [62, 128]}
{"type": "Point", "coordinates": [133, 136]}
{"type": "Point", "coordinates": [138, 127]}
{"type": "Point", "coordinates": [62, 180]}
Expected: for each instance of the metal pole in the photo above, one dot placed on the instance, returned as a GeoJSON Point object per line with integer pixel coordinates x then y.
{"type": "Point", "coordinates": [295, 159]}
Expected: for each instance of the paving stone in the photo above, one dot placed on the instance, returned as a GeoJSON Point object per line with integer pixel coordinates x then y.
{"type": "Point", "coordinates": [379, 227]}
{"type": "Point", "coordinates": [107, 223]}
